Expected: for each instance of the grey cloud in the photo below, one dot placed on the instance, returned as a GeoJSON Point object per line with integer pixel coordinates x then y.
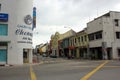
{"type": "Point", "coordinates": [73, 13]}
{"type": "Point", "coordinates": [69, 12]}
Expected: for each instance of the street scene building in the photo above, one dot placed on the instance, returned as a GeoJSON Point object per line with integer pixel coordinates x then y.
{"type": "Point", "coordinates": [16, 31]}
{"type": "Point", "coordinates": [104, 36]}
{"type": "Point", "coordinates": [56, 42]}
{"type": "Point", "coordinates": [99, 40]}
{"type": "Point", "coordinates": [81, 43]}
{"type": "Point", "coordinates": [67, 44]}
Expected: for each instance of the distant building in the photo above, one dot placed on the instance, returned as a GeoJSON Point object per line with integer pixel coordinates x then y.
{"type": "Point", "coordinates": [43, 49]}
{"type": "Point", "coordinates": [82, 44]}
{"type": "Point", "coordinates": [104, 36]}
{"type": "Point", "coordinates": [16, 31]}
{"type": "Point", "coordinates": [64, 43]}
{"type": "Point", "coordinates": [56, 41]}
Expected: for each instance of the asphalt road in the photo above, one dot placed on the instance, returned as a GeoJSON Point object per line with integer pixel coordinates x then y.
{"type": "Point", "coordinates": [15, 73]}
{"type": "Point", "coordinates": [64, 70]}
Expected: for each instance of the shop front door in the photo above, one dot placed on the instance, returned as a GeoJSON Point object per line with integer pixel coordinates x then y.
{"type": "Point", "coordinates": [3, 55]}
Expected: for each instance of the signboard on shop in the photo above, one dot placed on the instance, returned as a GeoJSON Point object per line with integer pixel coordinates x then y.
{"type": "Point", "coordinates": [3, 17]}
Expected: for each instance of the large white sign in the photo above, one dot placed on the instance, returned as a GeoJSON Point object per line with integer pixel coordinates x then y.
{"type": "Point", "coordinates": [25, 34]}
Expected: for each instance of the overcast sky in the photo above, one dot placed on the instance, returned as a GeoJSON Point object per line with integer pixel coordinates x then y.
{"type": "Point", "coordinates": [55, 15]}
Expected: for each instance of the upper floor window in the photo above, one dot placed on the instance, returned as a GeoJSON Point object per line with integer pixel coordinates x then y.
{"type": "Point", "coordinates": [75, 40]}
{"type": "Point", "coordinates": [85, 37]}
{"type": "Point", "coordinates": [71, 42]}
{"type": "Point", "coordinates": [78, 39]}
{"type": "Point", "coordinates": [98, 35]}
{"type": "Point", "coordinates": [3, 29]}
{"type": "Point", "coordinates": [0, 7]}
{"type": "Point", "coordinates": [118, 35]}
{"type": "Point", "coordinates": [95, 36]}
{"type": "Point", "coordinates": [81, 38]}
{"type": "Point", "coordinates": [91, 37]}
{"type": "Point", "coordinates": [116, 21]}
{"type": "Point", "coordinates": [119, 52]}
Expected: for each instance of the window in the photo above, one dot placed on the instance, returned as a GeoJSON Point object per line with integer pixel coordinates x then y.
{"type": "Point", "coordinates": [118, 52]}
{"type": "Point", "coordinates": [98, 35]}
{"type": "Point", "coordinates": [78, 39]}
{"type": "Point", "coordinates": [0, 7]}
{"type": "Point", "coordinates": [3, 44]}
{"type": "Point", "coordinates": [95, 36]}
{"type": "Point", "coordinates": [116, 22]}
{"type": "Point", "coordinates": [71, 42]}
{"type": "Point", "coordinates": [118, 35]}
{"type": "Point", "coordinates": [3, 29]}
{"type": "Point", "coordinates": [75, 40]}
{"type": "Point", "coordinates": [81, 38]}
{"type": "Point", "coordinates": [85, 38]}
{"type": "Point", "coordinates": [91, 37]}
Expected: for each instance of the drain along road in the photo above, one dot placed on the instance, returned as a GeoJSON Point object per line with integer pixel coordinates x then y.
{"type": "Point", "coordinates": [64, 70]}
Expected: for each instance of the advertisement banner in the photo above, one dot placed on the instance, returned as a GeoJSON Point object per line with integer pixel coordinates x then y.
{"type": "Point", "coordinates": [34, 18]}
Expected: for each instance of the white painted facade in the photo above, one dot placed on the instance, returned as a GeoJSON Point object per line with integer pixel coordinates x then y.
{"type": "Point", "coordinates": [106, 24]}
{"type": "Point", "coordinates": [17, 43]}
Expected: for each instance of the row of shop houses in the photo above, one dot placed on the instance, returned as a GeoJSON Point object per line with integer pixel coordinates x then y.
{"type": "Point", "coordinates": [99, 40]}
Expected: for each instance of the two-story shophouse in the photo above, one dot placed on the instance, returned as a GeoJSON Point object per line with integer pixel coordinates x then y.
{"type": "Point", "coordinates": [56, 42]}
{"type": "Point", "coordinates": [79, 47]}
{"type": "Point", "coordinates": [104, 36]}
{"type": "Point", "coordinates": [82, 45]}
{"type": "Point", "coordinates": [65, 45]}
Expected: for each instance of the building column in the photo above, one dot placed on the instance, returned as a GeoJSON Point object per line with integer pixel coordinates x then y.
{"type": "Point", "coordinates": [114, 52]}
{"type": "Point", "coordinates": [77, 51]}
{"type": "Point", "coordinates": [104, 51]}
{"type": "Point", "coordinates": [88, 52]}
{"type": "Point", "coordinates": [70, 52]}
{"type": "Point", "coordinates": [30, 55]}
